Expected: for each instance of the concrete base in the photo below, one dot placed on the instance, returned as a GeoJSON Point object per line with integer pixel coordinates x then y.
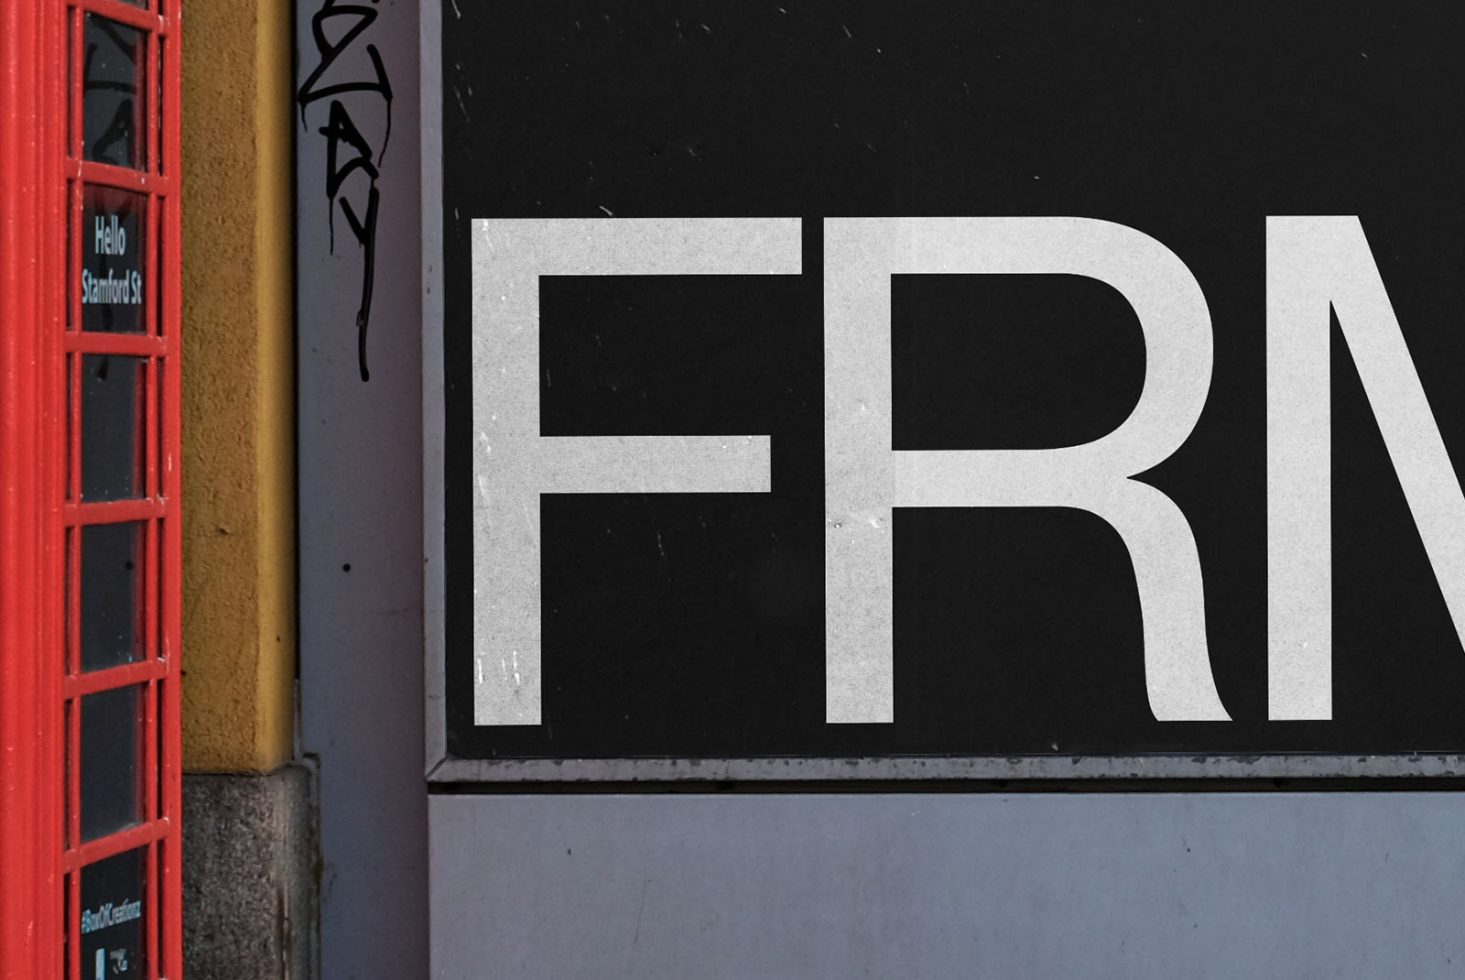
{"type": "Point", "coordinates": [249, 875]}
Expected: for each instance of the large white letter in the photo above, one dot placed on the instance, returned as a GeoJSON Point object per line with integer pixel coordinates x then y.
{"type": "Point", "coordinates": [1316, 265]}
{"type": "Point", "coordinates": [513, 464]}
{"type": "Point", "coordinates": [864, 477]}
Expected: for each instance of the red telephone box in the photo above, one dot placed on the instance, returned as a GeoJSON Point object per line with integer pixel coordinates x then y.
{"type": "Point", "coordinates": [89, 486]}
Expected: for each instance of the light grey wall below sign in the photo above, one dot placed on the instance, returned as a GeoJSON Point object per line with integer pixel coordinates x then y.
{"type": "Point", "coordinates": [1034, 886]}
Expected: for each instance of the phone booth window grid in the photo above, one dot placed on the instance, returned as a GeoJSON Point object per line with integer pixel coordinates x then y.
{"type": "Point", "coordinates": [122, 545]}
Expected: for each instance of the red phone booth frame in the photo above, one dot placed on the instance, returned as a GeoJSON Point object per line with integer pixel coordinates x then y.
{"type": "Point", "coordinates": [45, 180]}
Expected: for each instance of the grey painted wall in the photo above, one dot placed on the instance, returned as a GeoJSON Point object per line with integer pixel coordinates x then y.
{"type": "Point", "coordinates": [1164, 886]}
{"type": "Point", "coordinates": [360, 443]}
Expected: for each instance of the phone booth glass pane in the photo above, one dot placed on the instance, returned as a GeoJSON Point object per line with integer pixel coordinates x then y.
{"type": "Point", "coordinates": [111, 594]}
{"type": "Point", "coordinates": [113, 100]}
{"type": "Point", "coordinates": [111, 764]}
{"type": "Point", "coordinates": [112, 417]}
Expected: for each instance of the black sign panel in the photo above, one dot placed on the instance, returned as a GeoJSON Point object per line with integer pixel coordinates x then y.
{"type": "Point", "coordinates": [700, 624]}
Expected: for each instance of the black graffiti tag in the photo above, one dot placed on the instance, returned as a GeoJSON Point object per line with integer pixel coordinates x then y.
{"type": "Point", "coordinates": [348, 151]}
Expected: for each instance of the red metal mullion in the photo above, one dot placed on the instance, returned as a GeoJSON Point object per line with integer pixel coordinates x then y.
{"type": "Point", "coordinates": [78, 67]}
{"type": "Point", "coordinates": [150, 437]}
{"type": "Point", "coordinates": [73, 939]}
{"type": "Point", "coordinates": [147, 594]}
{"type": "Point", "coordinates": [147, 118]}
{"type": "Point", "coordinates": [73, 254]}
{"type": "Point", "coordinates": [141, 443]}
{"type": "Point", "coordinates": [73, 249]}
{"type": "Point", "coordinates": [114, 511]}
{"type": "Point", "coordinates": [151, 647]}
{"type": "Point", "coordinates": [72, 305]}
{"type": "Point", "coordinates": [73, 773]}
{"type": "Point", "coordinates": [73, 830]}
{"type": "Point", "coordinates": [72, 662]}
{"type": "Point", "coordinates": [150, 84]}
{"type": "Point", "coordinates": [150, 753]}
{"type": "Point", "coordinates": [170, 951]}
{"type": "Point", "coordinates": [123, 13]}
{"type": "Point", "coordinates": [153, 923]}
{"type": "Point", "coordinates": [123, 178]}
{"type": "Point", "coordinates": [54, 135]}
{"type": "Point", "coordinates": [72, 489]}
{"type": "Point", "coordinates": [59, 245]}
{"type": "Point", "coordinates": [72, 707]}
{"type": "Point", "coordinates": [120, 344]}
{"type": "Point", "coordinates": [150, 810]}
{"type": "Point", "coordinates": [111, 678]}
{"type": "Point", "coordinates": [170, 863]}
{"type": "Point", "coordinates": [73, 533]}
{"type": "Point", "coordinates": [154, 275]}
{"type": "Point", "coordinates": [151, 274]}
{"type": "Point", "coordinates": [128, 839]}
{"type": "Point", "coordinates": [143, 750]}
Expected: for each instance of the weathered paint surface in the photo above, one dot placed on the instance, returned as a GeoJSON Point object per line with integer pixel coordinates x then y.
{"type": "Point", "coordinates": [921, 885]}
{"type": "Point", "coordinates": [360, 447]}
{"type": "Point", "coordinates": [238, 402]}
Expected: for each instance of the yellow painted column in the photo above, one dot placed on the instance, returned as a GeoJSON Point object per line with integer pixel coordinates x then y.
{"type": "Point", "coordinates": [238, 387]}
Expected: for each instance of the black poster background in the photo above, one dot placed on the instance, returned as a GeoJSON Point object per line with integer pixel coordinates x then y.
{"type": "Point", "coordinates": [692, 626]}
